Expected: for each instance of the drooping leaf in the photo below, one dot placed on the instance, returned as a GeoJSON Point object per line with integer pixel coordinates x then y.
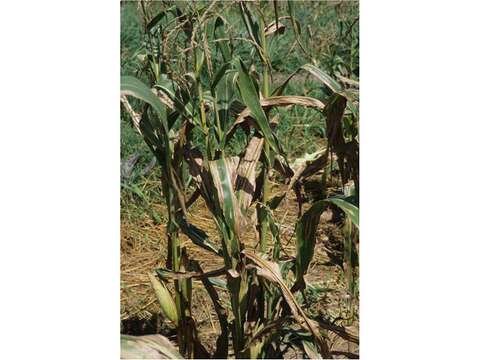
{"type": "Point", "coordinates": [321, 75]}
{"type": "Point", "coordinates": [271, 271]}
{"type": "Point", "coordinates": [270, 327]}
{"type": "Point", "coordinates": [179, 275]}
{"type": "Point", "coordinates": [130, 85]}
{"type": "Point", "coordinates": [198, 237]}
{"type": "Point", "coordinates": [348, 208]}
{"type": "Point", "coordinates": [275, 101]}
{"type": "Point", "coordinates": [331, 83]}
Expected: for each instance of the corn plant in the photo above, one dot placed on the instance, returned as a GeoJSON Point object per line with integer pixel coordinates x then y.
{"type": "Point", "coordinates": [201, 93]}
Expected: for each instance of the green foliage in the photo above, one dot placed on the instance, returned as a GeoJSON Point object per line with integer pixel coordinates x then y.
{"type": "Point", "coordinates": [130, 37]}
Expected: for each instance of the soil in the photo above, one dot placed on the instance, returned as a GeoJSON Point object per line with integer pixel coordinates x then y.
{"type": "Point", "coordinates": [143, 245]}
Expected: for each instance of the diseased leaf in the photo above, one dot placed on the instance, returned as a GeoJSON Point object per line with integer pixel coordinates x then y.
{"type": "Point", "coordinates": [321, 75]}
{"type": "Point", "coordinates": [223, 174]}
{"type": "Point", "coordinates": [245, 184]}
{"type": "Point", "coordinates": [274, 28]}
{"type": "Point", "coordinates": [271, 271]}
{"type": "Point", "coordinates": [275, 101]}
{"type": "Point", "coordinates": [221, 351]}
{"type": "Point", "coordinates": [147, 347]}
{"type": "Point", "coordinates": [178, 275]}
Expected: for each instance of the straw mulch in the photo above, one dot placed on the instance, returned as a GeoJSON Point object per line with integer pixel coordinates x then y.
{"type": "Point", "coordinates": [143, 249]}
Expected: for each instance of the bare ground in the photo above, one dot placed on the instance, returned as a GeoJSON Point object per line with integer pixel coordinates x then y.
{"type": "Point", "coordinates": [143, 245]}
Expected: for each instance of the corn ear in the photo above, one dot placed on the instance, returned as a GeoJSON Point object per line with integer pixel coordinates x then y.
{"type": "Point", "coordinates": [164, 298]}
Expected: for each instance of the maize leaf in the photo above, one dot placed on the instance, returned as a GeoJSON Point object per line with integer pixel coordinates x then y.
{"type": "Point", "coordinates": [348, 208]}
{"type": "Point", "coordinates": [271, 271]}
{"type": "Point", "coordinates": [147, 347]}
{"type": "Point", "coordinates": [251, 98]}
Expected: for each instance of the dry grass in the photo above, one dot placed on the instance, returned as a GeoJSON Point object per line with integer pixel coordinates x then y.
{"type": "Point", "coordinates": [143, 245]}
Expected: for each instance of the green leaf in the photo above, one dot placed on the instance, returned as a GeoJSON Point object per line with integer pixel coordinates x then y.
{"type": "Point", "coordinates": [348, 208]}
{"type": "Point", "coordinates": [218, 76]}
{"type": "Point", "coordinates": [252, 100]}
{"type": "Point", "coordinates": [219, 33]}
{"type": "Point", "coordinates": [221, 172]}
{"type": "Point", "coordinates": [310, 350]}
{"type": "Point", "coordinates": [274, 229]}
{"type": "Point", "coordinates": [323, 77]}
{"type": "Point", "coordinates": [199, 56]}
{"type": "Point", "coordinates": [307, 227]}
{"type": "Point", "coordinates": [225, 93]}
{"type": "Point", "coordinates": [306, 235]}
{"type": "Point", "coordinates": [130, 85]}
{"type": "Point", "coordinates": [198, 237]}
{"type": "Point", "coordinates": [254, 28]}
{"type": "Point", "coordinates": [156, 19]}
